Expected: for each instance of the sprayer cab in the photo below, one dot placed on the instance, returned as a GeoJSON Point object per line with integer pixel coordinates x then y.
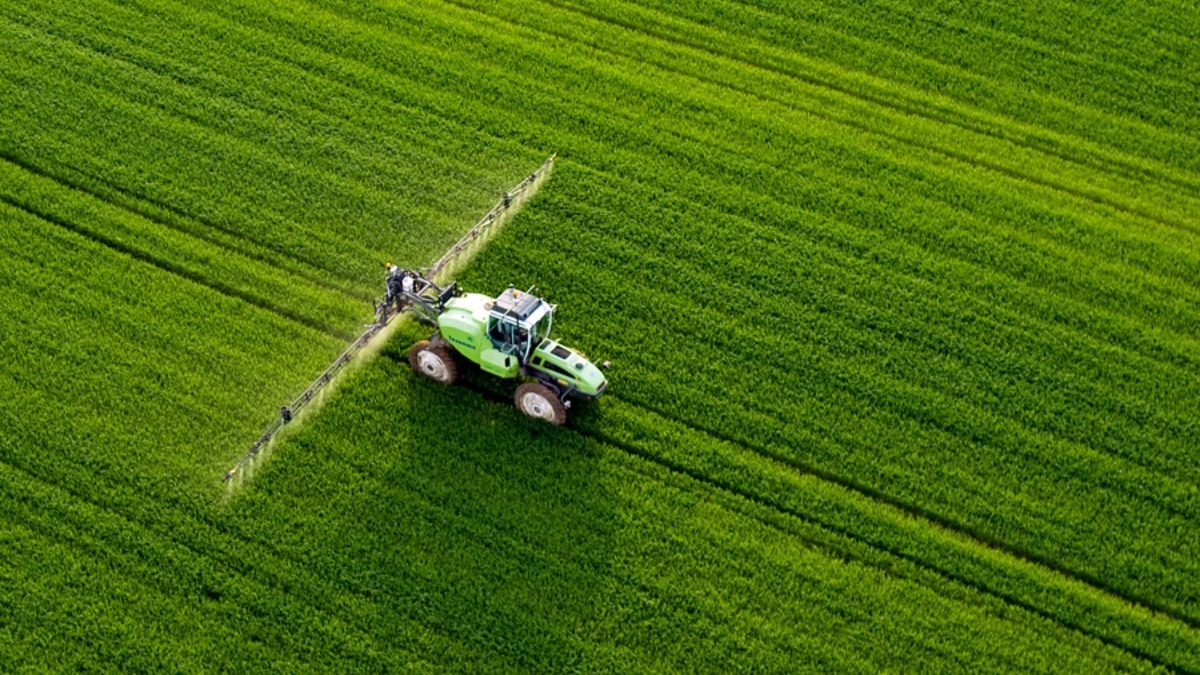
{"type": "Point", "coordinates": [517, 321]}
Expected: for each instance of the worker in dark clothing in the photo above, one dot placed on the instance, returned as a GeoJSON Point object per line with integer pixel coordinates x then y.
{"type": "Point", "coordinates": [395, 278]}
{"type": "Point", "coordinates": [399, 282]}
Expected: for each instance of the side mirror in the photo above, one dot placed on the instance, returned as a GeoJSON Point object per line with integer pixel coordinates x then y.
{"type": "Point", "coordinates": [606, 365]}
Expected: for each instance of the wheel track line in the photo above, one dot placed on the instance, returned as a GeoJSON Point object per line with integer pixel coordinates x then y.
{"type": "Point", "coordinates": [183, 120]}
{"type": "Point", "coordinates": [449, 120]}
{"type": "Point", "coordinates": [130, 205]}
{"type": "Point", "coordinates": [936, 253]}
{"type": "Point", "coordinates": [789, 513]}
{"type": "Point", "coordinates": [953, 432]}
{"type": "Point", "coordinates": [836, 531]}
{"type": "Point", "coordinates": [923, 514]}
{"type": "Point", "coordinates": [373, 69]}
{"type": "Point", "coordinates": [747, 290]}
{"type": "Point", "coordinates": [912, 108]}
{"type": "Point", "coordinates": [976, 162]}
{"type": "Point", "coordinates": [651, 591]}
{"type": "Point", "coordinates": [1152, 277]}
{"type": "Point", "coordinates": [275, 584]}
{"type": "Point", "coordinates": [938, 170]}
{"type": "Point", "coordinates": [177, 271]}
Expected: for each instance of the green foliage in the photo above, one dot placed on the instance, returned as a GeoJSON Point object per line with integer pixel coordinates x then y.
{"type": "Point", "coordinates": [901, 298]}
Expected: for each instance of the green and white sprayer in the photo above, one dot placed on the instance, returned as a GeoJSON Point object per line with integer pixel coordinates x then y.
{"type": "Point", "coordinates": [507, 335]}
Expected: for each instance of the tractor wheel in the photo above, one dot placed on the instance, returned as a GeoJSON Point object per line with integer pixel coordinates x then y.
{"type": "Point", "coordinates": [433, 361]}
{"type": "Point", "coordinates": [538, 401]}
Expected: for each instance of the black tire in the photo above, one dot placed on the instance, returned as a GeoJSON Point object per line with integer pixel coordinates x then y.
{"type": "Point", "coordinates": [433, 361]}
{"type": "Point", "coordinates": [540, 402]}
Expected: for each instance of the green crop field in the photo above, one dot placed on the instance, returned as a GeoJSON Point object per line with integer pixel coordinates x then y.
{"type": "Point", "coordinates": [902, 300]}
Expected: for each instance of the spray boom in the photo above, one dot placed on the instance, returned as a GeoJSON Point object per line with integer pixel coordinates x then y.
{"type": "Point", "coordinates": [376, 332]}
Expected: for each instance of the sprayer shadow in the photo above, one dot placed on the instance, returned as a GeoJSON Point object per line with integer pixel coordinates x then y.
{"type": "Point", "coordinates": [474, 536]}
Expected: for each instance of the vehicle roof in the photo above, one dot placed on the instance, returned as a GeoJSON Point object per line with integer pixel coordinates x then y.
{"type": "Point", "coordinates": [524, 309]}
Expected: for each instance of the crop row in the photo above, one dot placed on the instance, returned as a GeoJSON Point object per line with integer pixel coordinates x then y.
{"type": "Point", "coordinates": [859, 526]}
{"type": "Point", "coordinates": [856, 101]}
{"type": "Point", "coordinates": [206, 264]}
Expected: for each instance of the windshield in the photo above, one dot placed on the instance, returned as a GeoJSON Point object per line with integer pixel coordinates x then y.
{"type": "Point", "coordinates": [541, 330]}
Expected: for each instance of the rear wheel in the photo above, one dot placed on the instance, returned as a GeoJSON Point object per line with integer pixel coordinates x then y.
{"type": "Point", "coordinates": [538, 401]}
{"type": "Point", "coordinates": [433, 361]}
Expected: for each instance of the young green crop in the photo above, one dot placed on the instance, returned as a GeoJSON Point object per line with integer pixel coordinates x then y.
{"type": "Point", "coordinates": [557, 549]}
{"type": "Point", "coordinates": [900, 300]}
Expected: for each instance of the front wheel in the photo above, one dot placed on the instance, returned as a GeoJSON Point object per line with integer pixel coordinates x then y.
{"type": "Point", "coordinates": [539, 402]}
{"type": "Point", "coordinates": [433, 361]}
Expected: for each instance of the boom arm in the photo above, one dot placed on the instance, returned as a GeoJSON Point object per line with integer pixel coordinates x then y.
{"type": "Point", "coordinates": [426, 299]}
